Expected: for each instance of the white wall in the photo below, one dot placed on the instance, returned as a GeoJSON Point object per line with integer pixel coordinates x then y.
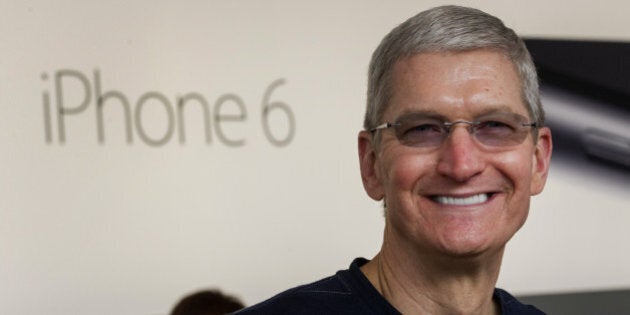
{"type": "Point", "coordinates": [119, 228]}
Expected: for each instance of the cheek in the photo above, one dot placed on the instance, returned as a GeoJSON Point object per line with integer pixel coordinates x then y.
{"type": "Point", "coordinates": [516, 167]}
{"type": "Point", "coordinates": [406, 170]}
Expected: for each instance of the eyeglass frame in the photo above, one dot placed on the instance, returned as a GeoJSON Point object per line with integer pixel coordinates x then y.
{"type": "Point", "coordinates": [472, 129]}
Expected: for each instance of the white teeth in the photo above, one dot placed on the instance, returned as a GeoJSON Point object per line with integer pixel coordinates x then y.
{"type": "Point", "coordinates": [476, 199]}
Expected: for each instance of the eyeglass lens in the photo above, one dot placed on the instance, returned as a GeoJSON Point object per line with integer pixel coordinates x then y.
{"type": "Point", "coordinates": [495, 130]}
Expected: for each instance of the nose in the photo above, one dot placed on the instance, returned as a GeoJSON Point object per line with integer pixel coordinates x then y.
{"type": "Point", "coordinates": [459, 157]}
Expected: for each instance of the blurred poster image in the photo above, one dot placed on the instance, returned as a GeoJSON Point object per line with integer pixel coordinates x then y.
{"type": "Point", "coordinates": [585, 88]}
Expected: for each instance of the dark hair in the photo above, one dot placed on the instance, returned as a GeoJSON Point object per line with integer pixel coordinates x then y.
{"type": "Point", "coordinates": [207, 302]}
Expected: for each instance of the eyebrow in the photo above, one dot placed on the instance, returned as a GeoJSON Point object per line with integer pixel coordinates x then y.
{"type": "Point", "coordinates": [433, 114]}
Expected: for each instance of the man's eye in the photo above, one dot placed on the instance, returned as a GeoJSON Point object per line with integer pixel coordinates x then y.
{"type": "Point", "coordinates": [495, 128]}
{"type": "Point", "coordinates": [493, 124]}
{"type": "Point", "coordinates": [423, 128]}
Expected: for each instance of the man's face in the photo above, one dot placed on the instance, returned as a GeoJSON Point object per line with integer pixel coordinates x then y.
{"type": "Point", "coordinates": [463, 197]}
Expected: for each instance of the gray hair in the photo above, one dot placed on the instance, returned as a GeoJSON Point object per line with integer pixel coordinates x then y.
{"type": "Point", "coordinates": [448, 29]}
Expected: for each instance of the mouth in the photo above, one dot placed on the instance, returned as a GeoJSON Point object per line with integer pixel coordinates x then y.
{"type": "Point", "coordinates": [462, 201]}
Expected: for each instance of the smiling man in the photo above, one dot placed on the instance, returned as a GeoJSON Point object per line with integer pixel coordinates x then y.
{"type": "Point", "coordinates": [454, 144]}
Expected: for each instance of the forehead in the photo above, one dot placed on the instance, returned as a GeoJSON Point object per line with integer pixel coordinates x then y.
{"type": "Point", "coordinates": [455, 84]}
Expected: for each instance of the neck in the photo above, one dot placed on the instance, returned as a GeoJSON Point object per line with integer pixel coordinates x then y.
{"type": "Point", "coordinates": [433, 284]}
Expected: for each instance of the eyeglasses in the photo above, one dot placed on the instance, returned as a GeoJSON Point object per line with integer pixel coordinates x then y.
{"type": "Point", "coordinates": [492, 130]}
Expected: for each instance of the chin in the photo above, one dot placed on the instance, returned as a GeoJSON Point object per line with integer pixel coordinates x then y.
{"type": "Point", "coordinates": [468, 246]}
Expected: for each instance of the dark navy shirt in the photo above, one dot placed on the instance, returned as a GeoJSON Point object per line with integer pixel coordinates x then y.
{"type": "Point", "coordinates": [350, 292]}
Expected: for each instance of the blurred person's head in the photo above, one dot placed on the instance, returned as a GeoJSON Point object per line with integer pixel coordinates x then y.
{"type": "Point", "coordinates": [207, 302]}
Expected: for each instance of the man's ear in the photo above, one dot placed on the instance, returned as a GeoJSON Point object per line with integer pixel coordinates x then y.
{"type": "Point", "coordinates": [541, 160]}
{"type": "Point", "coordinates": [369, 172]}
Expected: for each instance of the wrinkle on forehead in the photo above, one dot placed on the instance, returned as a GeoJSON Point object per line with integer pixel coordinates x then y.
{"type": "Point", "coordinates": [461, 83]}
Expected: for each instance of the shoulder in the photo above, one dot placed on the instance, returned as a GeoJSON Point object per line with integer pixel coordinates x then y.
{"type": "Point", "coordinates": [511, 306]}
{"type": "Point", "coordinates": [346, 292]}
{"type": "Point", "coordinates": [322, 297]}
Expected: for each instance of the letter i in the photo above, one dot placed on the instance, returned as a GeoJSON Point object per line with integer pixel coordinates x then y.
{"type": "Point", "coordinates": [46, 105]}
